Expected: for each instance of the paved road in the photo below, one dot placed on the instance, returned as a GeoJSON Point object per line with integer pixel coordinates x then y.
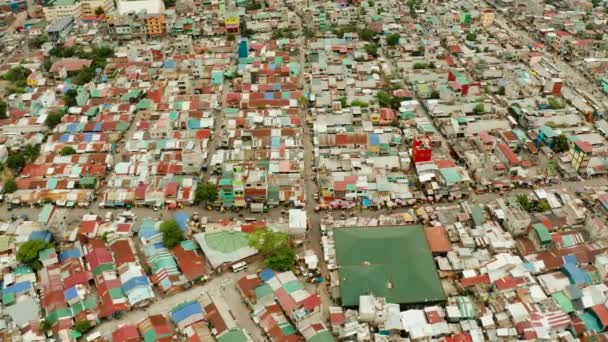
{"type": "Point", "coordinates": [223, 286]}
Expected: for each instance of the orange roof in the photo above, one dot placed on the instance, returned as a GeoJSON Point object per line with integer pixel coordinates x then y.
{"type": "Point", "coordinates": [438, 239]}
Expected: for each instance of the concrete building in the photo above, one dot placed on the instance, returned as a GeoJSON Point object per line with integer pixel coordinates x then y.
{"type": "Point", "coordinates": [141, 6]}
{"type": "Point", "coordinates": [60, 29]}
{"type": "Point", "coordinates": [155, 25]}
{"type": "Point", "coordinates": [73, 8]}
{"type": "Point", "coordinates": [487, 17]}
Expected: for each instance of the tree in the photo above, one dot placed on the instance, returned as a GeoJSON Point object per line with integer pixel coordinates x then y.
{"type": "Point", "coordinates": [387, 100]}
{"type": "Point", "coordinates": [70, 98]}
{"type": "Point", "coordinates": [420, 65]}
{"type": "Point", "coordinates": [169, 3]}
{"type": "Point", "coordinates": [17, 73]}
{"type": "Point", "coordinates": [53, 119]}
{"type": "Point", "coordinates": [275, 248]}
{"type": "Point", "coordinates": [10, 186]}
{"type": "Point", "coordinates": [555, 103]}
{"type": "Point", "coordinates": [38, 41]}
{"type": "Point", "coordinates": [3, 110]}
{"type": "Point", "coordinates": [595, 3]}
{"type": "Point", "coordinates": [502, 90]}
{"type": "Point", "coordinates": [67, 151]}
{"type": "Point", "coordinates": [30, 152]}
{"type": "Point", "coordinates": [479, 109]}
{"type": "Point", "coordinates": [82, 326]}
{"type": "Point", "coordinates": [542, 206]}
{"type": "Point", "coordinates": [206, 193]}
{"type": "Point", "coordinates": [28, 251]}
{"type": "Point", "coordinates": [471, 36]}
{"type": "Point", "coordinates": [367, 34]}
{"type": "Point", "coordinates": [303, 101]}
{"type": "Point", "coordinates": [45, 326]}
{"type": "Point", "coordinates": [524, 202]}
{"type": "Point", "coordinates": [435, 95]}
{"type": "Point", "coordinates": [85, 75]}
{"type": "Point", "coordinates": [560, 143]}
{"type": "Point", "coordinates": [230, 38]}
{"type": "Point", "coordinates": [172, 235]}
{"type": "Point", "coordinates": [371, 49]}
{"type": "Point", "coordinates": [99, 11]}
{"type": "Point", "coordinates": [15, 162]}
{"type": "Point", "coordinates": [393, 39]}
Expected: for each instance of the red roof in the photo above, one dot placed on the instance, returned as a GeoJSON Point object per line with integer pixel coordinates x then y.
{"type": "Point", "coordinates": [509, 154]}
{"type": "Point", "coordinates": [99, 256]}
{"type": "Point", "coordinates": [601, 312]}
{"type": "Point", "coordinates": [77, 278]}
{"type": "Point", "coordinates": [471, 281]}
{"type": "Point", "coordinates": [190, 262]}
{"type": "Point", "coordinates": [311, 302]}
{"type": "Point", "coordinates": [70, 64]}
{"type": "Point", "coordinates": [508, 282]}
{"type": "Point", "coordinates": [584, 146]}
{"type": "Point", "coordinates": [87, 227]}
{"type": "Point", "coordinates": [126, 333]}
{"type": "Point", "coordinates": [123, 253]}
{"type": "Point", "coordinates": [215, 318]}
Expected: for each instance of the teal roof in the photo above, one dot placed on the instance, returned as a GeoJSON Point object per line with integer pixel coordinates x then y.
{"type": "Point", "coordinates": [451, 175]}
{"type": "Point", "coordinates": [233, 335]}
{"type": "Point", "coordinates": [45, 214]}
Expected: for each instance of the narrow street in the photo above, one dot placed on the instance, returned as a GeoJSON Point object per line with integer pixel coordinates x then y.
{"type": "Point", "coordinates": [223, 286]}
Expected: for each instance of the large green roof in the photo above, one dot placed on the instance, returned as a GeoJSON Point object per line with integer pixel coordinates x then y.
{"type": "Point", "coordinates": [390, 262]}
{"type": "Point", "coordinates": [227, 241]}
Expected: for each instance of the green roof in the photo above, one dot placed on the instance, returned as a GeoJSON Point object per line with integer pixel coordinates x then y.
{"type": "Point", "coordinates": [45, 214]}
{"type": "Point", "coordinates": [323, 336]}
{"type": "Point", "coordinates": [293, 286]}
{"type": "Point", "coordinates": [262, 291]}
{"type": "Point", "coordinates": [451, 175]}
{"type": "Point", "coordinates": [233, 335]}
{"type": "Point", "coordinates": [5, 243]}
{"type": "Point", "coordinates": [103, 268]}
{"type": "Point", "coordinates": [543, 234]}
{"type": "Point", "coordinates": [390, 262]}
{"type": "Point", "coordinates": [563, 301]}
{"type": "Point", "coordinates": [227, 241]}
{"type": "Point", "coordinates": [478, 215]}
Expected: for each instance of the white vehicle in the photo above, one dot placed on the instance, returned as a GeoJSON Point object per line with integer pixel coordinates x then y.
{"type": "Point", "coordinates": [239, 266]}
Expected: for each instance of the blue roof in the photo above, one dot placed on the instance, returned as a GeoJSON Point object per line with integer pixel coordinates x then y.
{"type": "Point", "coordinates": [98, 127]}
{"type": "Point", "coordinates": [70, 253]}
{"type": "Point", "coordinates": [185, 310]}
{"type": "Point", "coordinates": [170, 64]}
{"type": "Point", "coordinates": [73, 127]}
{"type": "Point", "coordinates": [576, 275]}
{"type": "Point", "coordinates": [64, 138]}
{"type": "Point", "coordinates": [18, 288]}
{"type": "Point", "coordinates": [374, 139]}
{"type": "Point", "coordinates": [266, 274]}
{"type": "Point", "coordinates": [88, 137]}
{"type": "Point", "coordinates": [40, 235]}
{"type": "Point", "coordinates": [182, 218]}
{"type": "Point", "coordinates": [570, 259]}
{"type": "Point", "coordinates": [70, 293]}
{"type": "Point", "coordinates": [134, 283]}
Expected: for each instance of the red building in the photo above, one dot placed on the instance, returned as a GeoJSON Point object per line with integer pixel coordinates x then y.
{"type": "Point", "coordinates": [421, 149]}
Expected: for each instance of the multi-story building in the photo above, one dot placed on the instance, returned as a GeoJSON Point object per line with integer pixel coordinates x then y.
{"type": "Point", "coordinates": [58, 9]}
{"type": "Point", "coordinates": [580, 153]}
{"type": "Point", "coordinates": [155, 25]}
{"type": "Point", "coordinates": [138, 6]}
{"type": "Point", "coordinates": [487, 17]}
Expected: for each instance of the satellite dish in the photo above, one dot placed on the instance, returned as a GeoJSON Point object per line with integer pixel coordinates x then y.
{"type": "Point", "coordinates": [98, 70]}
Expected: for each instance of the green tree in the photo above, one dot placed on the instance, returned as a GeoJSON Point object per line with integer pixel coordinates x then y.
{"type": "Point", "coordinates": [169, 3]}
{"type": "Point", "coordinates": [15, 162]}
{"type": "Point", "coordinates": [560, 143]}
{"type": "Point", "coordinates": [53, 119]}
{"type": "Point", "coordinates": [17, 73]}
{"type": "Point", "coordinates": [435, 95]}
{"type": "Point", "coordinates": [275, 248]}
{"type": "Point", "coordinates": [358, 103]}
{"type": "Point", "coordinates": [303, 101]}
{"type": "Point", "coordinates": [82, 326]}
{"type": "Point", "coordinates": [28, 251]}
{"type": "Point", "coordinates": [172, 236]}
{"type": "Point", "coordinates": [367, 34]}
{"type": "Point", "coordinates": [70, 98]}
{"type": "Point", "coordinates": [10, 186]}
{"type": "Point", "coordinates": [595, 3]}
{"type": "Point", "coordinates": [47, 64]}
{"type": "Point", "coordinates": [230, 38]}
{"type": "Point", "coordinates": [387, 100]}
{"type": "Point", "coordinates": [206, 193]}
{"type": "Point", "coordinates": [61, 51]}
{"type": "Point", "coordinates": [471, 36]}
{"type": "Point", "coordinates": [393, 39]}
{"type": "Point", "coordinates": [85, 75]}
{"type": "Point", "coordinates": [30, 152]}
{"type": "Point", "coordinates": [3, 110]}
{"type": "Point", "coordinates": [524, 202]}
{"type": "Point", "coordinates": [420, 65]}
{"type": "Point", "coordinates": [67, 151]}
{"type": "Point", "coordinates": [45, 325]}
{"type": "Point", "coordinates": [38, 41]}
{"type": "Point", "coordinates": [479, 109]}
{"type": "Point", "coordinates": [555, 103]}
{"type": "Point", "coordinates": [371, 49]}
{"type": "Point", "coordinates": [99, 11]}
{"type": "Point", "coordinates": [542, 206]}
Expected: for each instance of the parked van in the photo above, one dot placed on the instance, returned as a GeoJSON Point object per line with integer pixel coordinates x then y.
{"type": "Point", "coordinates": [239, 266]}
